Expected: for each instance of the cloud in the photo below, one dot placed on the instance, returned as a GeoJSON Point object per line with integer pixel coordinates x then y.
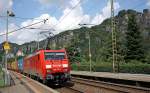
{"type": "Point", "coordinates": [74, 2]}
{"type": "Point", "coordinates": [5, 5]}
{"type": "Point", "coordinates": [106, 13]}
{"type": "Point", "coordinates": [27, 35]}
{"type": "Point", "coordinates": [68, 20]}
{"type": "Point", "coordinates": [2, 38]}
{"type": "Point", "coordinates": [148, 3]}
{"type": "Point", "coordinates": [98, 19]}
{"type": "Point", "coordinates": [48, 3]}
{"type": "Point", "coordinates": [11, 27]}
{"type": "Point", "coordinates": [10, 3]}
{"type": "Point", "coordinates": [73, 17]}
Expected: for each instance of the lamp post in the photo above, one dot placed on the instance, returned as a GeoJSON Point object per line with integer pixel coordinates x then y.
{"type": "Point", "coordinates": [89, 44]}
{"type": "Point", "coordinates": [11, 14]}
{"type": "Point", "coordinates": [6, 47]}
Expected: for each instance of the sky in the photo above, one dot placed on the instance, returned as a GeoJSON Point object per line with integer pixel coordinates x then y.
{"type": "Point", "coordinates": [62, 15]}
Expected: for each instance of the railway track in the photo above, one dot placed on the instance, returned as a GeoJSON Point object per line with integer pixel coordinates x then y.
{"type": "Point", "coordinates": [40, 87]}
{"type": "Point", "coordinates": [80, 85]}
{"type": "Point", "coordinates": [65, 89]}
{"type": "Point", "coordinates": [92, 86]}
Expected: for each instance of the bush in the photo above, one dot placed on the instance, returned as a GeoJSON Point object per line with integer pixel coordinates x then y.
{"type": "Point", "coordinates": [135, 67]}
{"type": "Point", "coordinates": [132, 67]}
{"type": "Point", "coordinates": [100, 67]}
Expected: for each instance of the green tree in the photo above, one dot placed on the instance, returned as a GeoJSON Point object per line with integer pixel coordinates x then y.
{"type": "Point", "coordinates": [134, 48]}
{"type": "Point", "coordinates": [74, 54]}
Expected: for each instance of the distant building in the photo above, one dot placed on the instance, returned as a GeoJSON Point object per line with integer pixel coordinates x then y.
{"type": "Point", "coordinates": [19, 53]}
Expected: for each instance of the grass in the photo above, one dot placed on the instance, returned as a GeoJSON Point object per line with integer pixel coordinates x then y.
{"type": "Point", "coordinates": [2, 83]}
{"type": "Point", "coordinates": [1, 78]}
{"type": "Point", "coordinates": [132, 67]}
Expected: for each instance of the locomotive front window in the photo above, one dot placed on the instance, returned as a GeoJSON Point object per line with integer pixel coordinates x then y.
{"type": "Point", "coordinates": [54, 55]}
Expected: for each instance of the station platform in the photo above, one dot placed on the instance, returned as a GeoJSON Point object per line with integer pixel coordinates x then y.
{"type": "Point", "coordinates": [120, 76]}
{"type": "Point", "coordinates": [23, 84]}
{"type": "Point", "coordinates": [15, 87]}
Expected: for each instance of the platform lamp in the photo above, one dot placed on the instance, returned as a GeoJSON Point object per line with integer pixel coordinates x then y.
{"type": "Point", "coordinates": [89, 44]}
{"type": "Point", "coordinates": [9, 14]}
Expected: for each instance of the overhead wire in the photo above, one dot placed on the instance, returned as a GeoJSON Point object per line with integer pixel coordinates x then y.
{"type": "Point", "coordinates": [16, 17]}
{"type": "Point", "coordinates": [42, 21]}
{"type": "Point", "coordinates": [27, 18]}
{"type": "Point", "coordinates": [60, 19]}
{"type": "Point", "coordinates": [67, 14]}
{"type": "Point", "coordinates": [81, 20]}
{"type": "Point", "coordinates": [24, 27]}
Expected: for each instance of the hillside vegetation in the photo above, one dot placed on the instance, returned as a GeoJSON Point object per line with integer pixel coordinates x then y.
{"type": "Point", "coordinates": [133, 44]}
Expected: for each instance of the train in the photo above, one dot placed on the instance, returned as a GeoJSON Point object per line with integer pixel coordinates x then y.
{"type": "Point", "coordinates": [50, 66]}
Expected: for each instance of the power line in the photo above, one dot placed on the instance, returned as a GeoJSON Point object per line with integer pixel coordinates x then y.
{"type": "Point", "coordinates": [42, 20]}
{"type": "Point", "coordinates": [54, 12]}
{"type": "Point", "coordinates": [67, 13]}
{"type": "Point", "coordinates": [38, 28]}
{"type": "Point", "coordinates": [27, 18]}
{"type": "Point", "coordinates": [24, 27]}
{"type": "Point", "coordinates": [16, 17]}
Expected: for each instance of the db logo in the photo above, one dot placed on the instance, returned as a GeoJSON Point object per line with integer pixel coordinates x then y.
{"type": "Point", "coordinates": [56, 65]}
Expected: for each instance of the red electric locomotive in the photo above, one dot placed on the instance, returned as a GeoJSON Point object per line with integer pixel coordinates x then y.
{"type": "Point", "coordinates": [48, 65]}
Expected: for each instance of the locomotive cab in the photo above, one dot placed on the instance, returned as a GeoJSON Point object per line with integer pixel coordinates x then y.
{"type": "Point", "coordinates": [48, 65]}
{"type": "Point", "coordinates": [57, 67]}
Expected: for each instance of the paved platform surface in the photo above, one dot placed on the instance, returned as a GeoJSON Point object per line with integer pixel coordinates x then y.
{"type": "Point", "coordinates": [123, 76]}
{"type": "Point", "coordinates": [17, 87]}
{"type": "Point", "coordinates": [23, 84]}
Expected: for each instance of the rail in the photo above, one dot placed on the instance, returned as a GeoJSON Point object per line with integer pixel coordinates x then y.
{"type": "Point", "coordinates": [108, 87]}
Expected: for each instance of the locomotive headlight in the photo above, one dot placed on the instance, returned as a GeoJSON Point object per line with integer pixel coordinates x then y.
{"type": "Point", "coordinates": [65, 65]}
{"type": "Point", "coordinates": [48, 66]}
